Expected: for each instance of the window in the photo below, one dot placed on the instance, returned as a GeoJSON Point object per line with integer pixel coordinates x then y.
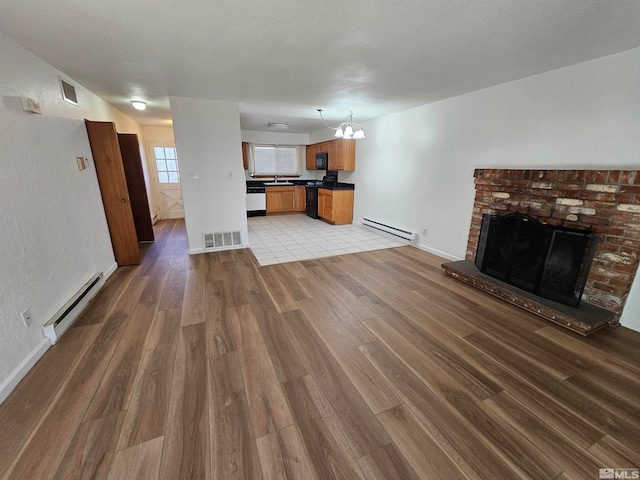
{"type": "Point", "coordinates": [275, 160]}
{"type": "Point", "coordinates": [166, 164]}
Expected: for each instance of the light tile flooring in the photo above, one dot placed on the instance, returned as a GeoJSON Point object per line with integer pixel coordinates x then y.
{"type": "Point", "coordinates": [288, 238]}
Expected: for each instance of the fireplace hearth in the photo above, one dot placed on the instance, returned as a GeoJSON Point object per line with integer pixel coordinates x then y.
{"type": "Point", "coordinates": [572, 208]}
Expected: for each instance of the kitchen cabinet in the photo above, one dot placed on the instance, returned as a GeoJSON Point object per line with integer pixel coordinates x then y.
{"type": "Point", "coordinates": [311, 157]}
{"type": "Point", "coordinates": [299, 198]}
{"type": "Point", "coordinates": [335, 206]}
{"type": "Point", "coordinates": [280, 199]}
{"type": "Point", "coordinates": [342, 154]}
{"type": "Point", "coordinates": [245, 157]}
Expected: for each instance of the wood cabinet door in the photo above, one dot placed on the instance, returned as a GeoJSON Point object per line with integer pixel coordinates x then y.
{"type": "Point", "coordinates": [349, 155]}
{"type": "Point", "coordinates": [321, 198]}
{"type": "Point", "coordinates": [336, 154]}
{"type": "Point", "coordinates": [113, 188]}
{"type": "Point", "coordinates": [132, 163]}
{"type": "Point", "coordinates": [300, 199]}
{"type": "Point", "coordinates": [286, 199]}
{"type": "Point", "coordinates": [311, 157]}
{"type": "Point", "coordinates": [274, 202]}
{"type": "Point", "coordinates": [245, 156]}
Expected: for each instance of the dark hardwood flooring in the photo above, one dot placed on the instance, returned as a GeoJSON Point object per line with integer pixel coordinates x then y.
{"type": "Point", "coordinates": [365, 366]}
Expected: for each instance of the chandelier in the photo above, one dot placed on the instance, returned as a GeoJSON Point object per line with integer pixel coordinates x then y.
{"type": "Point", "coordinates": [347, 130]}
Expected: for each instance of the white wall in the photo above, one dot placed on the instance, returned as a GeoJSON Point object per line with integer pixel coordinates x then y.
{"type": "Point", "coordinates": [207, 134]}
{"type": "Point", "coordinates": [53, 231]}
{"type": "Point", "coordinates": [415, 168]}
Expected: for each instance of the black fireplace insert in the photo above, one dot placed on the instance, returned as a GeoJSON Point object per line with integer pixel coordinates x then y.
{"type": "Point", "coordinates": [550, 261]}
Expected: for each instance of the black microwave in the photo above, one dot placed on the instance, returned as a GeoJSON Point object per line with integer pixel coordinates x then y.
{"type": "Point", "coordinates": [322, 161]}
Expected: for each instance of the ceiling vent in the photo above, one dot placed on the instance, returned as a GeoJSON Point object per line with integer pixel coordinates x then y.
{"type": "Point", "coordinates": [68, 92]}
{"type": "Point", "coordinates": [222, 239]}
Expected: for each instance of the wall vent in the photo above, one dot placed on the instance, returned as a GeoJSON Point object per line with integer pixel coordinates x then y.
{"type": "Point", "coordinates": [68, 92]}
{"type": "Point", "coordinates": [222, 239]}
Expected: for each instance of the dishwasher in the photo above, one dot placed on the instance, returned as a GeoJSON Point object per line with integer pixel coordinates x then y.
{"type": "Point", "coordinates": [256, 201]}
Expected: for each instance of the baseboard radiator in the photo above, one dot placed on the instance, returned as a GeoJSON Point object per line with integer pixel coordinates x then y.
{"type": "Point", "coordinates": [70, 311]}
{"type": "Point", "coordinates": [398, 232]}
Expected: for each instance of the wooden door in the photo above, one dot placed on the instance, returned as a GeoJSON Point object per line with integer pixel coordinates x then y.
{"type": "Point", "coordinates": [113, 188]}
{"type": "Point", "coordinates": [132, 162]}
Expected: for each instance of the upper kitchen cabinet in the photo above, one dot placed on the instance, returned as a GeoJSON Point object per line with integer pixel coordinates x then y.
{"type": "Point", "coordinates": [311, 156]}
{"type": "Point", "coordinates": [342, 155]}
{"type": "Point", "coordinates": [245, 156]}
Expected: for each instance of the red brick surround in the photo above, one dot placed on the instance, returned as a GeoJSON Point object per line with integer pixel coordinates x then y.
{"type": "Point", "coordinates": [605, 201]}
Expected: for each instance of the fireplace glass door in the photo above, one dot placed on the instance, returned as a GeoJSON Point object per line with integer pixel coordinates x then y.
{"type": "Point", "coordinates": [552, 262]}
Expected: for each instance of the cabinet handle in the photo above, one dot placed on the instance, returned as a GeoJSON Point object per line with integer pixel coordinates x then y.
{"type": "Point", "coordinates": [123, 200]}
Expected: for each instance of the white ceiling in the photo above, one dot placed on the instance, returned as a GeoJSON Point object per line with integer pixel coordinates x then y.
{"type": "Point", "coordinates": [283, 60]}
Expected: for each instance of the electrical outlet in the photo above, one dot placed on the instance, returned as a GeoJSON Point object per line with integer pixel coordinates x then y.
{"type": "Point", "coordinates": [424, 232]}
{"type": "Point", "coordinates": [26, 318]}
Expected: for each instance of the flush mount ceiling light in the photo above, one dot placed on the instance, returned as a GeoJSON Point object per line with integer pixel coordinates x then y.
{"type": "Point", "coordinates": [139, 104]}
{"type": "Point", "coordinates": [278, 126]}
{"type": "Point", "coordinates": [347, 130]}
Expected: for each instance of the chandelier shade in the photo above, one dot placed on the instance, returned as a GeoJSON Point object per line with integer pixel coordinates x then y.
{"type": "Point", "coordinates": [347, 129]}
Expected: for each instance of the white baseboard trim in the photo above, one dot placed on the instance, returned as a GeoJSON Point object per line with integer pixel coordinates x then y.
{"type": "Point", "coordinates": [109, 271]}
{"type": "Point", "coordinates": [630, 323]}
{"type": "Point", "coordinates": [442, 254]}
{"type": "Point", "coordinates": [21, 370]}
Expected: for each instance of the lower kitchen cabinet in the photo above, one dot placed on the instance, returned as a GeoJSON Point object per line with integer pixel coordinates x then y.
{"type": "Point", "coordinates": [300, 199]}
{"type": "Point", "coordinates": [335, 206]}
{"type": "Point", "coordinates": [280, 199]}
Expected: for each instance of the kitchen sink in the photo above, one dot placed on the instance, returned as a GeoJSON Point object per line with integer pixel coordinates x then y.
{"type": "Point", "coordinates": [277, 184]}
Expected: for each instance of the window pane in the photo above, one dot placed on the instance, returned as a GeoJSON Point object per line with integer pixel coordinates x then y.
{"type": "Point", "coordinates": [162, 177]}
{"type": "Point", "coordinates": [161, 165]}
{"type": "Point", "coordinates": [171, 152]}
{"type": "Point", "coordinates": [158, 152]}
{"type": "Point", "coordinates": [173, 177]}
{"type": "Point", "coordinates": [172, 165]}
{"type": "Point", "coordinates": [271, 160]}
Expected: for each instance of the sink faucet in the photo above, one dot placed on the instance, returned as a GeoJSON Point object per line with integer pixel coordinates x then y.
{"type": "Point", "coordinates": [275, 178]}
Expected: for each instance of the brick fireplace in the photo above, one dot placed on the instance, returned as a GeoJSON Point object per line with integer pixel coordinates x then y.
{"type": "Point", "coordinates": [607, 202]}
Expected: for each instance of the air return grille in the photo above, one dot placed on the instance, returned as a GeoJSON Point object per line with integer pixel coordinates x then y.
{"type": "Point", "coordinates": [222, 239]}
{"type": "Point", "coordinates": [68, 92]}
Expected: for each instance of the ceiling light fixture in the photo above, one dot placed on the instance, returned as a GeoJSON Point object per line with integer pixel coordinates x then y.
{"type": "Point", "coordinates": [139, 104]}
{"type": "Point", "coordinates": [347, 130]}
{"type": "Point", "coordinates": [278, 126]}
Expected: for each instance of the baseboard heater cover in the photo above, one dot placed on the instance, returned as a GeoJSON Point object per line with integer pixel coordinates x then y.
{"type": "Point", "coordinates": [398, 232]}
{"type": "Point", "coordinates": [70, 311]}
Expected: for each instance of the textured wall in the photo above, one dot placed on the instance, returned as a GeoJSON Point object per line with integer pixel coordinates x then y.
{"type": "Point", "coordinates": [53, 232]}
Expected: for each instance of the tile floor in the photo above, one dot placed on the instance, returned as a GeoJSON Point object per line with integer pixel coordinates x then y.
{"type": "Point", "coordinates": [288, 238]}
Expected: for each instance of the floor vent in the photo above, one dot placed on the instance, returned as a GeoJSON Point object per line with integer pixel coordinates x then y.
{"type": "Point", "coordinates": [222, 239]}
{"type": "Point", "coordinates": [398, 232]}
{"type": "Point", "coordinates": [70, 311]}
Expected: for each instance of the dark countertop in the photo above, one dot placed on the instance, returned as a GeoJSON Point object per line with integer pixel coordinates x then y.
{"type": "Point", "coordinates": [338, 186]}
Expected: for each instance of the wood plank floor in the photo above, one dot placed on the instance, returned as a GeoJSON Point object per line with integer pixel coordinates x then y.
{"type": "Point", "coordinates": [365, 366]}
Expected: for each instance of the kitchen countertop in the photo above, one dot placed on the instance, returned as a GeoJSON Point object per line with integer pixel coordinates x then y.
{"type": "Point", "coordinates": [337, 186]}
